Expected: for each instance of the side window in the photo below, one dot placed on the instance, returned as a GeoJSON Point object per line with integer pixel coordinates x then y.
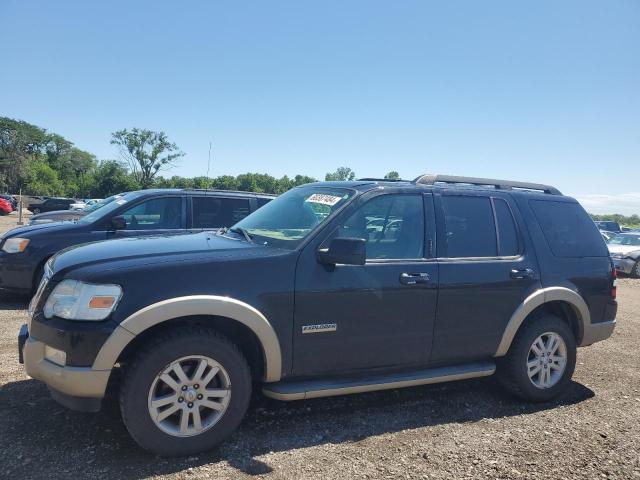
{"type": "Point", "coordinates": [469, 226]}
{"type": "Point", "coordinates": [215, 212]}
{"type": "Point", "coordinates": [508, 245]}
{"type": "Point", "coordinates": [568, 229]}
{"type": "Point", "coordinates": [263, 201]}
{"type": "Point", "coordinates": [392, 225]}
{"type": "Point", "coordinates": [155, 214]}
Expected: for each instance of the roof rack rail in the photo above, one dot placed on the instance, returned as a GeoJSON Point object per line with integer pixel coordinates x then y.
{"type": "Point", "coordinates": [432, 179]}
{"type": "Point", "coordinates": [373, 179]}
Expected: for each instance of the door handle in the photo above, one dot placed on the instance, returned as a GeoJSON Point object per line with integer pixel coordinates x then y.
{"type": "Point", "coordinates": [522, 273]}
{"type": "Point", "coordinates": [414, 278]}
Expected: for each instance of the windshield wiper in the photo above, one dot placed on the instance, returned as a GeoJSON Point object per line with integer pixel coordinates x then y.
{"type": "Point", "coordinates": [243, 231]}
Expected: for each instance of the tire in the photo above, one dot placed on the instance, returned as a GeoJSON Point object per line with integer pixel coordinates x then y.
{"type": "Point", "coordinates": [188, 346]}
{"type": "Point", "coordinates": [35, 211]}
{"type": "Point", "coordinates": [513, 369]}
{"type": "Point", "coordinates": [635, 271]}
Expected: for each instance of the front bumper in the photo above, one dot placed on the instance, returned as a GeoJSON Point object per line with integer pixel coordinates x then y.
{"type": "Point", "coordinates": [16, 273]}
{"type": "Point", "coordinates": [623, 265]}
{"type": "Point", "coordinates": [78, 388]}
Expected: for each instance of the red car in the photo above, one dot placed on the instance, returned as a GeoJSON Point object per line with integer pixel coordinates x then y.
{"type": "Point", "coordinates": [5, 207]}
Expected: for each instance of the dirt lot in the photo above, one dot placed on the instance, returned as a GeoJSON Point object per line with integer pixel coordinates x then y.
{"type": "Point", "coordinates": [460, 430]}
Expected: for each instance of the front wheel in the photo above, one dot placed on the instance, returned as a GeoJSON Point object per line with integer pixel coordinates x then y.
{"type": "Point", "coordinates": [635, 272]}
{"type": "Point", "coordinates": [185, 392]}
{"type": "Point", "coordinates": [35, 211]}
{"type": "Point", "coordinates": [541, 360]}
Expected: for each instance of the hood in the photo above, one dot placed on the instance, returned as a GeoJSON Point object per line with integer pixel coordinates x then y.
{"type": "Point", "coordinates": [45, 228]}
{"type": "Point", "coordinates": [60, 213]}
{"type": "Point", "coordinates": [623, 248]}
{"type": "Point", "coordinates": [152, 249]}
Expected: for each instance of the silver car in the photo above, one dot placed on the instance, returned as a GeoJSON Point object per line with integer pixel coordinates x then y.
{"type": "Point", "coordinates": [625, 252]}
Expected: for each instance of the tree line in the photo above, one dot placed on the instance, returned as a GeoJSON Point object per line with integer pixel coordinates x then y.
{"type": "Point", "coordinates": [37, 162]}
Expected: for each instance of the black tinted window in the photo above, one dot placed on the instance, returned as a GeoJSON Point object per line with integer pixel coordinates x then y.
{"type": "Point", "coordinates": [215, 212]}
{"type": "Point", "coordinates": [392, 225]}
{"type": "Point", "coordinates": [155, 214]}
{"type": "Point", "coordinates": [263, 201]}
{"type": "Point", "coordinates": [507, 233]}
{"type": "Point", "coordinates": [469, 226]}
{"type": "Point", "coordinates": [568, 229]}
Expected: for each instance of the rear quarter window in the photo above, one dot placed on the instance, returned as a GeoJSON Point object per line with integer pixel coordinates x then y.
{"type": "Point", "coordinates": [568, 229]}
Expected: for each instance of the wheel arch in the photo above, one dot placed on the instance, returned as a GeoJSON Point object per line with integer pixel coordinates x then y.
{"type": "Point", "coordinates": [205, 309]}
{"type": "Point", "coordinates": [558, 300]}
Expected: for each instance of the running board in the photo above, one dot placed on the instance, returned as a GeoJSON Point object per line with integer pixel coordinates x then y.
{"type": "Point", "coordinates": [344, 386]}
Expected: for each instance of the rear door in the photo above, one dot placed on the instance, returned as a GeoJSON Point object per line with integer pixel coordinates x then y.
{"type": "Point", "coordinates": [208, 212]}
{"type": "Point", "coordinates": [487, 269]}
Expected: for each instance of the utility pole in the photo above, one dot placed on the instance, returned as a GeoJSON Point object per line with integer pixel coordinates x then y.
{"type": "Point", "coordinates": [20, 222]}
{"type": "Point", "coordinates": [209, 161]}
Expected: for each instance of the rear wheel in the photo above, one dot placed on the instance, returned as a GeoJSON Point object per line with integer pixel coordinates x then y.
{"type": "Point", "coordinates": [541, 360]}
{"type": "Point", "coordinates": [35, 210]}
{"type": "Point", "coordinates": [185, 392]}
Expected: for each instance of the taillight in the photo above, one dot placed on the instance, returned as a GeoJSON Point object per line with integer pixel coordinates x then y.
{"type": "Point", "coordinates": [614, 282]}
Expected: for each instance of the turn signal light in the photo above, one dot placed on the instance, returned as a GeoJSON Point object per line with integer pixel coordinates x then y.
{"type": "Point", "coordinates": [101, 302]}
{"type": "Point", "coordinates": [614, 284]}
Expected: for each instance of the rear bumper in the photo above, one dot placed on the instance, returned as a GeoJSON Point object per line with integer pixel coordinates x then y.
{"type": "Point", "coordinates": [596, 332]}
{"type": "Point", "coordinates": [624, 265]}
{"type": "Point", "coordinates": [78, 388]}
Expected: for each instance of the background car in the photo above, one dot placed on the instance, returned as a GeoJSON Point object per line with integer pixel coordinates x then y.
{"type": "Point", "coordinates": [625, 252]}
{"type": "Point", "coordinates": [24, 250]}
{"type": "Point", "coordinates": [51, 204]}
{"type": "Point", "coordinates": [78, 205]}
{"type": "Point", "coordinates": [12, 201]}
{"type": "Point", "coordinates": [72, 215]}
{"type": "Point", "coordinates": [609, 226]}
{"type": "Point", "coordinates": [5, 207]}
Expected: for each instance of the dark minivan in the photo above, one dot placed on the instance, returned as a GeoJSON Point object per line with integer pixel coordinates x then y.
{"type": "Point", "coordinates": [24, 250]}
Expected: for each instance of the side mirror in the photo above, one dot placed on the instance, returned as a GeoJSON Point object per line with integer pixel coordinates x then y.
{"type": "Point", "coordinates": [118, 223]}
{"type": "Point", "coordinates": [347, 251]}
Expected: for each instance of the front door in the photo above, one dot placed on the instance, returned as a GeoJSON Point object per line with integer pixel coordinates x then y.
{"type": "Point", "coordinates": [154, 216]}
{"type": "Point", "coordinates": [377, 315]}
{"type": "Point", "coordinates": [487, 269]}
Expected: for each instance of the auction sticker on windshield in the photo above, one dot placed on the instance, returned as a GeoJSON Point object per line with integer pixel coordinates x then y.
{"type": "Point", "coordinates": [323, 199]}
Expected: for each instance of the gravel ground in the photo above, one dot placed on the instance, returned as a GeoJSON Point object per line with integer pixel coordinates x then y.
{"type": "Point", "coordinates": [467, 429]}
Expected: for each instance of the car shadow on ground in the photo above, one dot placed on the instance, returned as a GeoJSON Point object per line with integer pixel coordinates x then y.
{"type": "Point", "coordinates": [41, 439]}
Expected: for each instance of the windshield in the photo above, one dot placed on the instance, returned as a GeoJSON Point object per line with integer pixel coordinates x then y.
{"type": "Point", "coordinates": [106, 207]}
{"type": "Point", "coordinates": [622, 239]}
{"type": "Point", "coordinates": [288, 219]}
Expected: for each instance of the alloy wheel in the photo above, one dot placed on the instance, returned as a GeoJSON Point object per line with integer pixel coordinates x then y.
{"type": "Point", "coordinates": [189, 396]}
{"type": "Point", "coordinates": [547, 360]}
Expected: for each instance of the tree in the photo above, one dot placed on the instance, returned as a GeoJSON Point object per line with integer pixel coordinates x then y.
{"type": "Point", "coordinates": [41, 179]}
{"type": "Point", "coordinates": [340, 175]}
{"type": "Point", "coordinates": [112, 177]}
{"type": "Point", "coordinates": [146, 153]}
{"type": "Point", "coordinates": [392, 175]}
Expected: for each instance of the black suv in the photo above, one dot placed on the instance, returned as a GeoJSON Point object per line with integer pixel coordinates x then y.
{"type": "Point", "coordinates": [24, 250]}
{"type": "Point", "coordinates": [332, 288]}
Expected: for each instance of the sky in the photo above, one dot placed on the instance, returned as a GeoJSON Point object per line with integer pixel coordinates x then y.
{"type": "Point", "coordinates": [541, 91]}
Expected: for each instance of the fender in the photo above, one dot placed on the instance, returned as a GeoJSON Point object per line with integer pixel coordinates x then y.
{"type": "Point", "coordinates": [536, 299]}
{"type": "Point", "coordinates": [172, 308]}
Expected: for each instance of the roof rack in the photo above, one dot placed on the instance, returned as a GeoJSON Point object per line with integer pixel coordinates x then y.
{"type": "Point", "coordinates": [371, 179]}
{"type": "Point", "coordinates": [432, 179]}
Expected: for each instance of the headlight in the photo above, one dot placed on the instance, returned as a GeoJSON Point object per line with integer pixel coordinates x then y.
{"type": "Point", "coordinates": [15, 245]}
{"type": "Point", "coordinates": [75, 300]}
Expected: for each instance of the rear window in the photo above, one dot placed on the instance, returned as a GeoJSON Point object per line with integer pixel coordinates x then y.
{"type": "Point", "coordinates": [568, 229]}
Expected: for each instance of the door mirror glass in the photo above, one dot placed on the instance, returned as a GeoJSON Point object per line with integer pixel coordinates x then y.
{"type": "Point", "coordinates": [347, 251]}
{"type": "Point", "coordinates": [118, 223]}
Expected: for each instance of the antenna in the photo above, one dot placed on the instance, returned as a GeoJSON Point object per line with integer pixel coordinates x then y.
{"type": "Point", "coordinates": [209, 161]}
